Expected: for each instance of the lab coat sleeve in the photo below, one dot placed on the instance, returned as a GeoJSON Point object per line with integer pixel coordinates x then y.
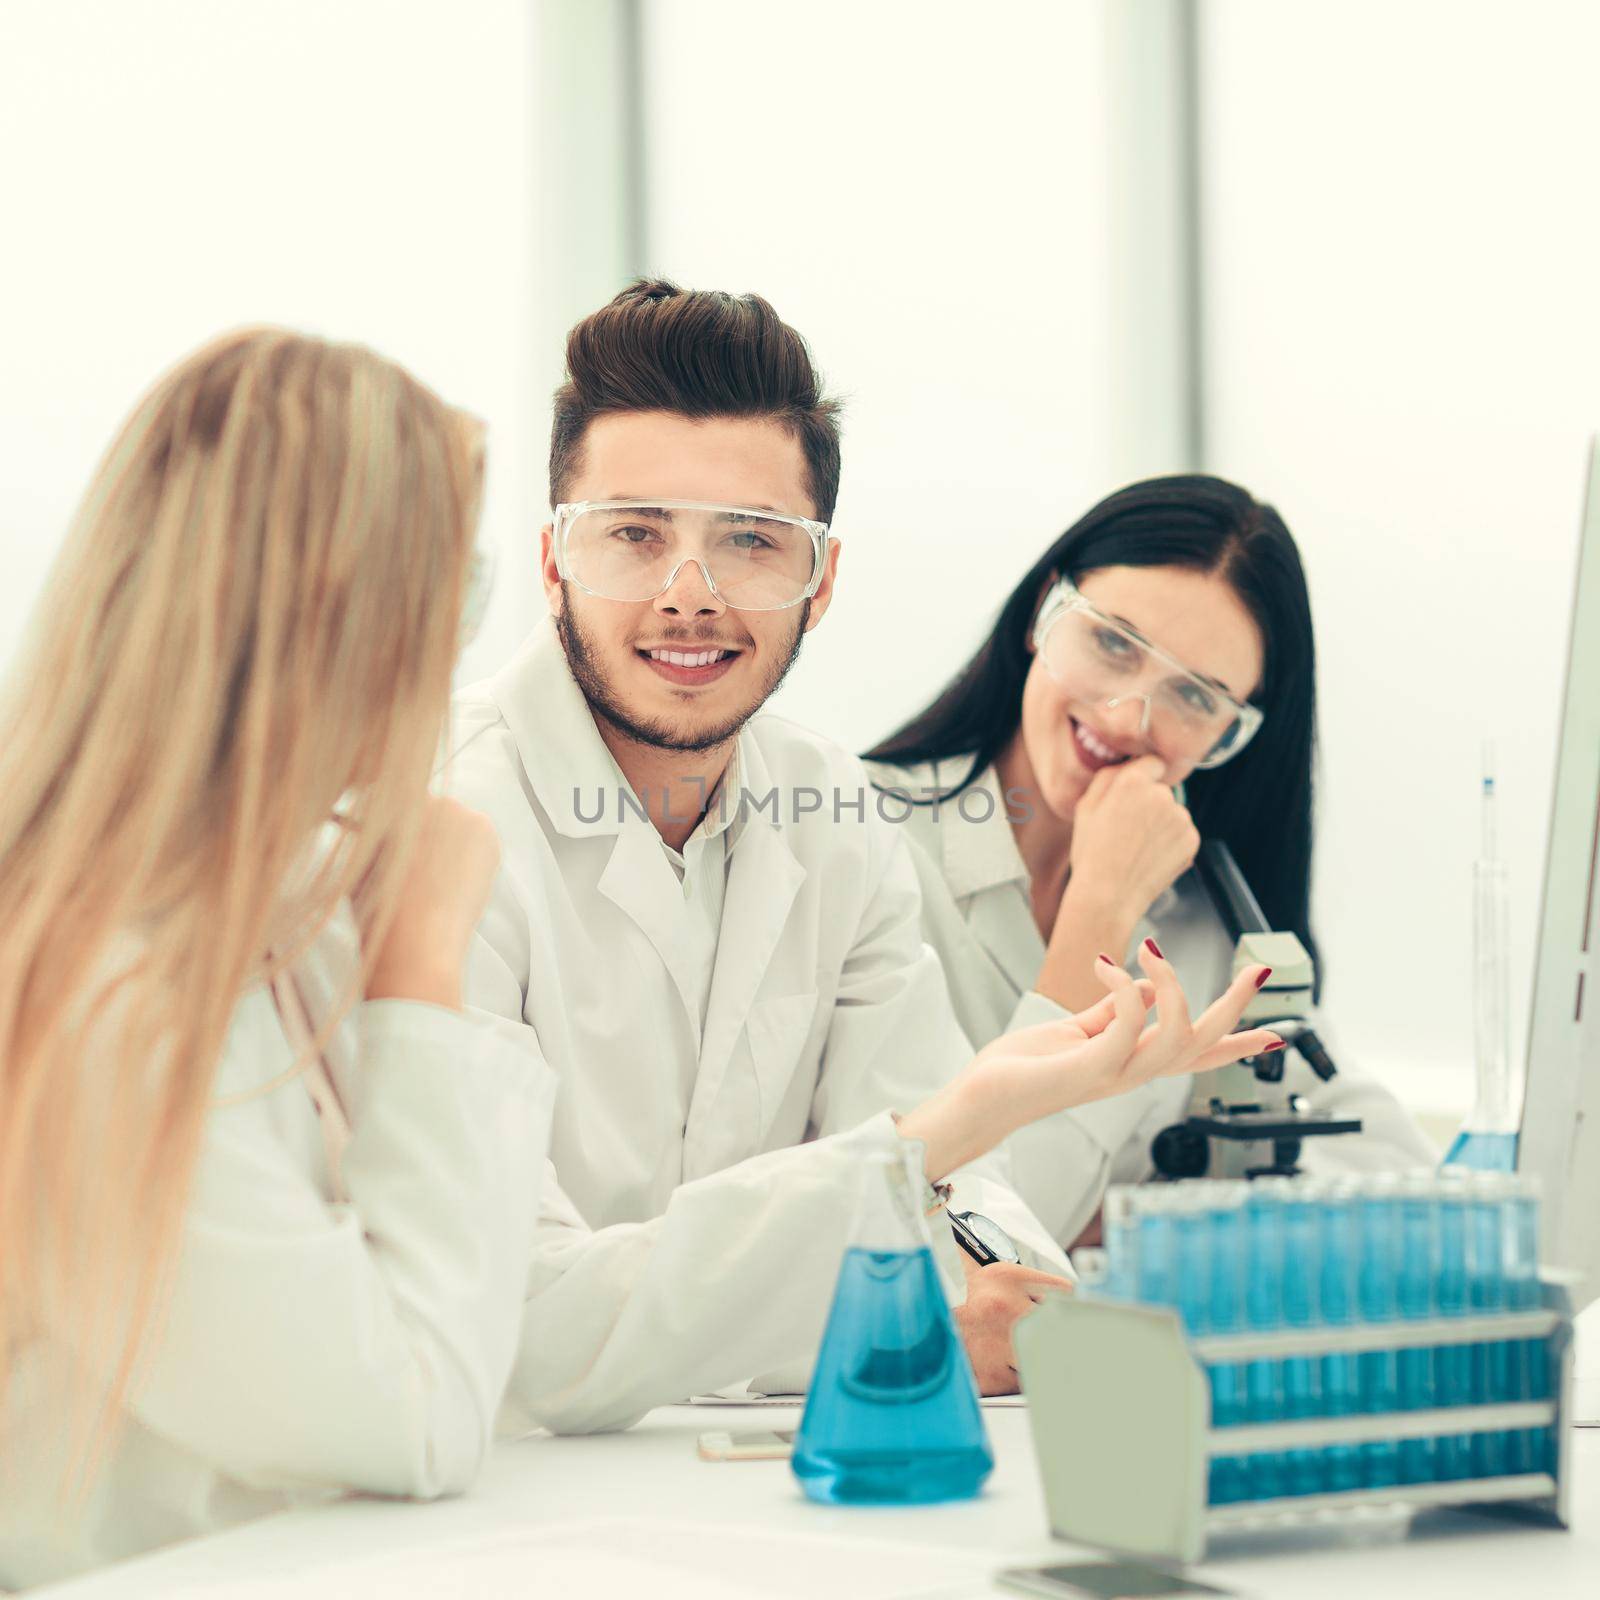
{"type": "Point", "coordinates": [735, 1277]}
{"type": "Point", "coordinates": [363, 1345]}
{"type": "Point", "coordinates": [1063, 1163]}
{"type": "Point", "coordinates": [894, 1040]}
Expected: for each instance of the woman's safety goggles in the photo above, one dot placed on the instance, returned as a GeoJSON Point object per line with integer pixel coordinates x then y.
{"type": "Point", "coordinates": [1185, 717]}
{"type": "Point", "coordinates": [635, 549]}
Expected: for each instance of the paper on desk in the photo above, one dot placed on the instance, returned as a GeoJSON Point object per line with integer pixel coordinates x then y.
{"type": "Point", "coordinates": [641, 1559]}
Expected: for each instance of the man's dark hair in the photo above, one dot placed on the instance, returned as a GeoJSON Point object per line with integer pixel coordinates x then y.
{"type": "Point", "coordinates": [698, 353]}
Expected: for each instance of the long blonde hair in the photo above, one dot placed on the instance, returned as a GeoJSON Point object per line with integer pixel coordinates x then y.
{"type": "Point", "coordinates": [251, 627]}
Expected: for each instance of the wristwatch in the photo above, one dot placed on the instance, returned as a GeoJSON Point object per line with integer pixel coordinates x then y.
{"type": "Point", "coordinates": [983, 1238]}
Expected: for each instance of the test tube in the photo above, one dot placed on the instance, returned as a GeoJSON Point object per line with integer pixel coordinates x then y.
{"type": "Point", "coordinates": [1378, 1297]}
{"type": "Point", "coordinates": [1263, 1309]}
{"type": "Point", "coordinates": [1419, 1269]}
{"type": "Point", "coordinates": [1230, 1478]}
{"type": "Point", "coordinates": [1486, 1192]}
{"type": "Point", "coordinates": [1453, 1361]}
{"type": "Point", "coordinates": [1340, 1379]}
{"type": "Point", "coordinates": [1302, 1298]}
{"type": "Point", "coordinates": [1156, 1215]}
{"type": "Point", "coordinates": [1121, 1242]}
{"type": "Point", "coordinates": [1536, 1356]}
{"type": "Point", "coordinates": [1528, 1358]}
{"type": "Point", "coordinates": [1192, 1234]}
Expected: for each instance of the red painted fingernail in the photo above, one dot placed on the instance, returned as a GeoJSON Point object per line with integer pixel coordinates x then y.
{"type": "Point", "coordinates": [1277, 1044]}
{"type": "Point", "coordinates": [1105, 958]}
{"type": "Point", "coordinates": [1266, 972]}
{"type": "Point", "coordinates": [1154, 949]}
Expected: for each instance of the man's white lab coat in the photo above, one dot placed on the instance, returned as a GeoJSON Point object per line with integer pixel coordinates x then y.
{"type": "Point", "coordinates": [692, 1234]}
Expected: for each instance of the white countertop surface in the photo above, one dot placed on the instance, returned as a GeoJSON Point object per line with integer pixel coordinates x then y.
{"type": "Point", "coordinates": [638, 1514]}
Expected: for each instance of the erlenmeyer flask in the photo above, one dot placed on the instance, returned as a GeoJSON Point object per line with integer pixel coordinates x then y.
{"type": "Point", "coordinates": [892, 1414]}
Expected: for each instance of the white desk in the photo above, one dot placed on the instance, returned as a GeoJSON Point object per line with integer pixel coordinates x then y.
{"type": "Point", "coordinates": [583, 1518]}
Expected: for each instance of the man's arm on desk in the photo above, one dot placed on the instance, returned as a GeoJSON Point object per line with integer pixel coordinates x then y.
{"type": "Point", "coordinates": [734, 1278]}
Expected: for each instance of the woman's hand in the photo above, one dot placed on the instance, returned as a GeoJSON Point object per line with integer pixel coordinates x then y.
{"type": "Point", "coordinates": [1131, 841]}
{"type": "Point", "coordinates": [1106, 1050]}
{"type": "Point", "coordinates": [445, 890]}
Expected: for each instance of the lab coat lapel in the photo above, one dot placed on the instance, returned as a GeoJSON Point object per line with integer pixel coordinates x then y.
{"type": "Point", "coordinates": [984, 868]}
{"type": "Point", "coordinates": [764, 876]}
{"type": "Point", "coordinates": [640, 883]}
{"type": "Point", "coordinates": [584, 795]}
{"type": "Point", "coordinates": [1001, 920]}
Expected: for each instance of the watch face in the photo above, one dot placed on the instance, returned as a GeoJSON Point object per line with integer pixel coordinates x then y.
{"type": "Point", "coordinates": [992, 1236]}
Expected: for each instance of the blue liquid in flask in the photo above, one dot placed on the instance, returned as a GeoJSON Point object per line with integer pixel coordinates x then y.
{"type": "Point", "coordinates": [892, 1415]}
{"type": "Point", "coordinates": [1483, 1152]}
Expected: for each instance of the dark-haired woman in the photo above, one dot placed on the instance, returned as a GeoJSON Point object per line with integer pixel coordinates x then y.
{"type": "Point", "coordinates": [1149, 682]}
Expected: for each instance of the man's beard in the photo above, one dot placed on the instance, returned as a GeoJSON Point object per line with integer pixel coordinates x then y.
{"type": "Point", "coordinates": [583, 659]}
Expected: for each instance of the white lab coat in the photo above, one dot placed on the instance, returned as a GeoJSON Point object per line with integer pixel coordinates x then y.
{"type": "Point", "coordinates": [692, 1235]}
{"type": "Point", "coordinates": [312, 1345]}
{"type": "Point", "coordinates": [978, 914]}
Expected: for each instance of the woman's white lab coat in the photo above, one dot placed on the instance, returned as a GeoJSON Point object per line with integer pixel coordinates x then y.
{"type": "Point", "coordinates": [312, 1345]}
{"type": "Point", "coordinates": [978, 915]}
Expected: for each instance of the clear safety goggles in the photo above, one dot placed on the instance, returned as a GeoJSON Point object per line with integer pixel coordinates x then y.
{"type": "Point", "coordinates": [1104, 662]}
{"type": "Point", "coordinates": [635, 549]}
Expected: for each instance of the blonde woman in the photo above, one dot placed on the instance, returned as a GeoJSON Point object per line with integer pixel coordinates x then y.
{"type": "Point", "coordinates": [267, 1194]}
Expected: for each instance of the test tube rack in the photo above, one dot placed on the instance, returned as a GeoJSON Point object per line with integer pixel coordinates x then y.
{"type": "Point", "coordinates": [1120, 1404]}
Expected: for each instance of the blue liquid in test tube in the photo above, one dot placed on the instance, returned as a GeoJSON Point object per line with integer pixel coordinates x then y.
{"type": "Point", "coordinates": [1378, 1298]}
{"type": "Point", "coordinates": [1419, 1268]}
{"type": "Point", "coordinates": [1340, 1378]}
{"type": "Point", "coordinates": [1192, 1233]}
{"type": "Point", "coordinates": [1302, 1297]}
{"type": "Point", "coordinates": [1454, 1361]}
{"type": "Point", "coordinates": [1529, 1359]}
{"type": "Point", "coordinates": [1230, 1477]}
{"type": "Point", "coordinates": [1536, 1352]}
{"type": "Point", "coordinates": [1491, 1372]}
{"type": "Point", "coordinates": [1122, 1244]}
{"type": "Point", "coordinates": [1263, 1309]}
{"type": "Point", "coordinates": [1155, 1213]}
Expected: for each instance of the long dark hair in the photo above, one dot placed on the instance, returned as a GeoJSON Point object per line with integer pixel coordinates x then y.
{"type": "Point", "coordinates": [1258, 804]}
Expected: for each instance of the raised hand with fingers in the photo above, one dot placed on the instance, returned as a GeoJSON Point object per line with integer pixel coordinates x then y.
{"type": "Point", "coordinates": [1107, 1050]}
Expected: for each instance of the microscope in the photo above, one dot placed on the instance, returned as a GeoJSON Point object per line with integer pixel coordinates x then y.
{"type": "Point", "coordinates": [1209, 1141]}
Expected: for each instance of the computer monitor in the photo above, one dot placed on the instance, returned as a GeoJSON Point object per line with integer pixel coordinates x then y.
{"type": "Point", "coordinates": [1560, 1140]}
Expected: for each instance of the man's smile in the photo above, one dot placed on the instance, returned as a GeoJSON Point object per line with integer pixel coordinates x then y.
{"type": "Point", "coordinates": [687, 668]}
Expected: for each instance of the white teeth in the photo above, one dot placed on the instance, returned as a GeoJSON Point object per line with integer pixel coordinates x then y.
{"type": "Point", "coordinates": [1099, 750]}
{"type": "Point", "coordinates": [682, 658]}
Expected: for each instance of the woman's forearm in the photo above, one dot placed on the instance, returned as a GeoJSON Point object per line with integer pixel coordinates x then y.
{"type": "Point", "coordinates": [956, 1124]}
{"type": "Point", "coordinates": [1085, 927]}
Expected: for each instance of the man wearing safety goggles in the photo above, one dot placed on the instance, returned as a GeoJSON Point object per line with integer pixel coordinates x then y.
{"type": "Point", "coordinates": [715, 937]}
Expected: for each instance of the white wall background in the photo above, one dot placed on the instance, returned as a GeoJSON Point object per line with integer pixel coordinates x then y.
{"type": "Point", "coordinates": [1402, 330]}
{"type": "Point", "coordinates": [173, 168]}
{"type": "Point", "coordinates": [1403, 339]}
{"type": "Point", "coordinates": [920, 189]}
